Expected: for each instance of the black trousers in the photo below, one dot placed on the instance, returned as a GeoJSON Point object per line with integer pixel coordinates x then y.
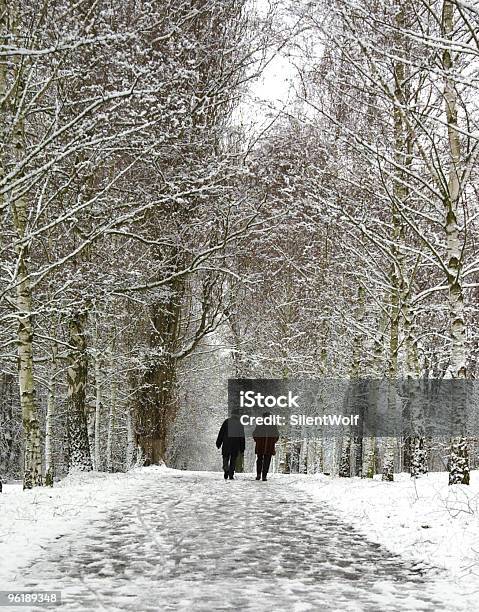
{"type": "Point", "coordinates": [262, 465]}
{"type": "Point", "coordinates": [229, 462]}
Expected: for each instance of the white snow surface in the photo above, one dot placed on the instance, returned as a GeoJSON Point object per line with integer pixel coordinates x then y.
{"type": "Point", "coordinates": [30, 520]}
{"type": "Point", "coordinates": [162, 539]}
{"type": "Point", "coordinates": [422, 519]}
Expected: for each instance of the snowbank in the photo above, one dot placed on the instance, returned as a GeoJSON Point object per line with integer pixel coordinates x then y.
{"type": "Point", "coordinates": [31, 519]}
{"type": "Point", "coordinates": [425, 519]}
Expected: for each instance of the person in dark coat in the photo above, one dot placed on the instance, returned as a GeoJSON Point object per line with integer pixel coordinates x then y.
{"type": "Point", "coordinates": [265, 437]}
{"type": "Point", "coordinates": [231, 440]}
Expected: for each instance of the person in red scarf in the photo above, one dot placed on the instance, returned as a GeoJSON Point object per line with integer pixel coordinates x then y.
{"type": "Point", "coordinates": [265, 437]}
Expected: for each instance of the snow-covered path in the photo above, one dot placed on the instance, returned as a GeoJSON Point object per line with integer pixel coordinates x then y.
{"type": "Point", "coordinates": [190, 541]}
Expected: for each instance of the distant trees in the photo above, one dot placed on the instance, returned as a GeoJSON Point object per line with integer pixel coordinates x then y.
{"type": "Point", "coordinates": [55, 107]}
{"type": "Point", "coordinates": [392, 160]}
{"type": "Point", "coordinates": [117, 193]}
{"type": "Point", "coordinates": [137, 221]}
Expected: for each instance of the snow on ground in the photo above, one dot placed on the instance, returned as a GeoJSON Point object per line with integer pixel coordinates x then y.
{"type": "Point", "coordinates": [29, 520]}
{"type": "Point", "coordinates": [422, 519]}
{"type": "Point", "coordinates": [190, 541]}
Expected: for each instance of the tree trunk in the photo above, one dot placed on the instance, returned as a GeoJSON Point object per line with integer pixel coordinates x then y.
{"type": "Point", "coordinates": [282, 455]}
{"type": "Point", "coordinates": [49, 466]}
{"type": "Point", "coordinates": [9, 442]}
{"type": "Point", "coordinates": [370, 462]}
{"type": "Point", "coordinates": [416, 443]}
{"type": "Point", "coordinates": [458, 457]}
{"type": "Point", "coordinates": [12, 134]}
{"type": "Point", "coordinates": [401, 194]}
{"type": "Point", "coordinates": [96, 454]}
{"type": "Point", "coordinates": [131, 439]}
{"type": "Point", "coordinates": [345, 462]}
{"type": "Point", "coordinates": [79, 449]}
{"type": "Point", "coordinates": [389, 447]}
{"type": "Point", "coordinates": [111, 426]}
{"type": "Point", "coordinates": [32, 457]}
{"type": "Point", "coordinates": [303, 456]}
{"type": "Point", "coordinates": [157, 401]}
{"type": "Point", "coordinates": [370, 459]}
{"type": "Point", "coordinates": [356, 371]}
{"type": "Point", "coordinates": [315, 456]}
{"type": "Point", "coordinates": [33, 460]}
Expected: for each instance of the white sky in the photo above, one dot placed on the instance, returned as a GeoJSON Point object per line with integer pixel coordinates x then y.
{"type": "Point", "coordinates": [269, 93]}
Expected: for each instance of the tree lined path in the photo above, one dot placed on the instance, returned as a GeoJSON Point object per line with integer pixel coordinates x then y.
{"type": "Point", "coordinates": [194, 542]}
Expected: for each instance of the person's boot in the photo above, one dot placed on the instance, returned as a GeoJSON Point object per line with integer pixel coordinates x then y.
{"type": "Point", "coordinates": [258, 476]}
{"type": "Point", "coordinates": [264, 479]}
{"type": "Point", "coordinates": [226, 475]}
{"type": "Point", "coordinates": [232, 477]}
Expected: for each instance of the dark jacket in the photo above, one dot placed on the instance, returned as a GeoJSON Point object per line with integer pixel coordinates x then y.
{"type": "Point", "coordinates": [231, 436]}
{"type": "Point", "coordinates": [265, 437]}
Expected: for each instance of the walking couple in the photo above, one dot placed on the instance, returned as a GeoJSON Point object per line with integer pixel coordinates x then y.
{"type": "Point", "coordinates": [231, 440]}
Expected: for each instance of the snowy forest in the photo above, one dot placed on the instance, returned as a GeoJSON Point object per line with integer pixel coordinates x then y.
{"type": "Point", "coordinates": [166, 226]}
